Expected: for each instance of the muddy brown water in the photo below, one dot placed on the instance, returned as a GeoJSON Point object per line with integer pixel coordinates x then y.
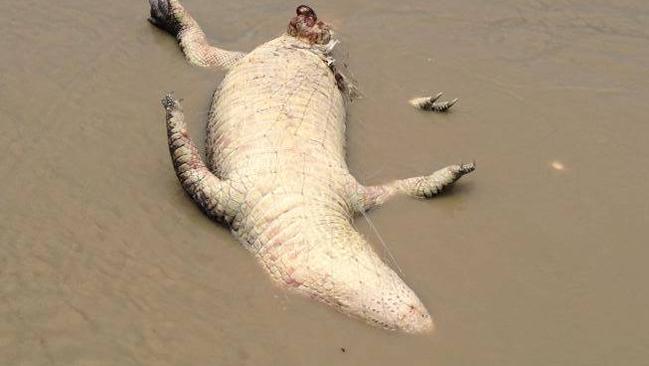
{"type": "Point", "coordinates": [538, 258]}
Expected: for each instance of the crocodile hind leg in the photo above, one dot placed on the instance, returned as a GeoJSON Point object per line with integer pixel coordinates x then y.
{"type": "Point", "coordinates": [432, 103]}
{"type": "Point", "coordinates": [215, 196]}
{"type": "Point", "coordinates": [419, 187]}
{"type": "Point", "coordinates": [171, 16]}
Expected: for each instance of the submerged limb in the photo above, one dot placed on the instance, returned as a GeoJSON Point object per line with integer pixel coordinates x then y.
{"type": "Point", "coordinates": [432, 103]}
{"type": "Point", "coordinates": [418, 187]}
{"type": "Point", "coordinates": [208, 191]}
{"type": "Point", "coordinates": [171, 16]}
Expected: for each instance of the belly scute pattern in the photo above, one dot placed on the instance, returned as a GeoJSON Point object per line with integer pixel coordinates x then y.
{"type": "Point", "coordinates": [278, 103]}
{"type": "Point", "coordinates": [276, 169]}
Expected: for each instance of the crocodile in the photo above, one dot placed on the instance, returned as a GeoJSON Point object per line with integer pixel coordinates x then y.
{"type": "Point", "coordinates": [275, 170]}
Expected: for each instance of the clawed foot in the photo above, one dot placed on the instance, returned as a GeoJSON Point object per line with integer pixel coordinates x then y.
{"type": "Point", "coordinates": [175, 117]}
{"type": "Point", "coordinates": [162, 16]}
{"type": "Point", "coordinates": [463, 169]}
{"type": "Point", "coordinates": [427, 187]}
{"type": "Point", "coordinates": [170, 103]}
{"type": "Point", "coordinates": [431, 103]}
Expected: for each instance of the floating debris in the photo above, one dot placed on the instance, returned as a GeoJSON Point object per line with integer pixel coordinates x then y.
{"type": "Point", "coordinates": [557, 165]}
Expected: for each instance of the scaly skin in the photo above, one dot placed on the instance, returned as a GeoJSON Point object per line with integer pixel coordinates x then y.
{"type": "Point", "coordinates": [276, 171]}
{"type": "Point", "coordinates": [431, 103]}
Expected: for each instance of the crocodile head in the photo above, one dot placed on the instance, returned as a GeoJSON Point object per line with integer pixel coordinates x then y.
{"type": "Point", "coordinates": [306, 26]}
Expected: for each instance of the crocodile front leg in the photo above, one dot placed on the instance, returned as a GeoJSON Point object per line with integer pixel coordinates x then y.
{"type": "Point", "coordinates": [218, 198]}
{"type": "Point", "coordinates": [419, 187]}
{"type": "Point", "coordinates": [171, 16]}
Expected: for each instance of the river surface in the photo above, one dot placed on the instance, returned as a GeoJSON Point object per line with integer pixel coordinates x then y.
{"type": "Point", "coordinates": [537, 258]}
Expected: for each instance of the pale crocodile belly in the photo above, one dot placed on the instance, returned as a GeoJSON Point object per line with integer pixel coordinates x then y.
{"type": "Point", "coordinates": [279, 109]}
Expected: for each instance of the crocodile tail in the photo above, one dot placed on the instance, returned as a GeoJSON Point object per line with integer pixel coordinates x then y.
{"type": "Point", "coordinates": [328, 260]}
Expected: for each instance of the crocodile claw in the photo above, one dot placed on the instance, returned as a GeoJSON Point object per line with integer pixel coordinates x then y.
{"type": "Point", "coordinates": [170, 103]}
{"type": "Point", "coordinates": [442, 106]}
{"type": "Point", "coordinates": [466, 168]}
{"type": "Point", "coordinates": [434, 99]}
